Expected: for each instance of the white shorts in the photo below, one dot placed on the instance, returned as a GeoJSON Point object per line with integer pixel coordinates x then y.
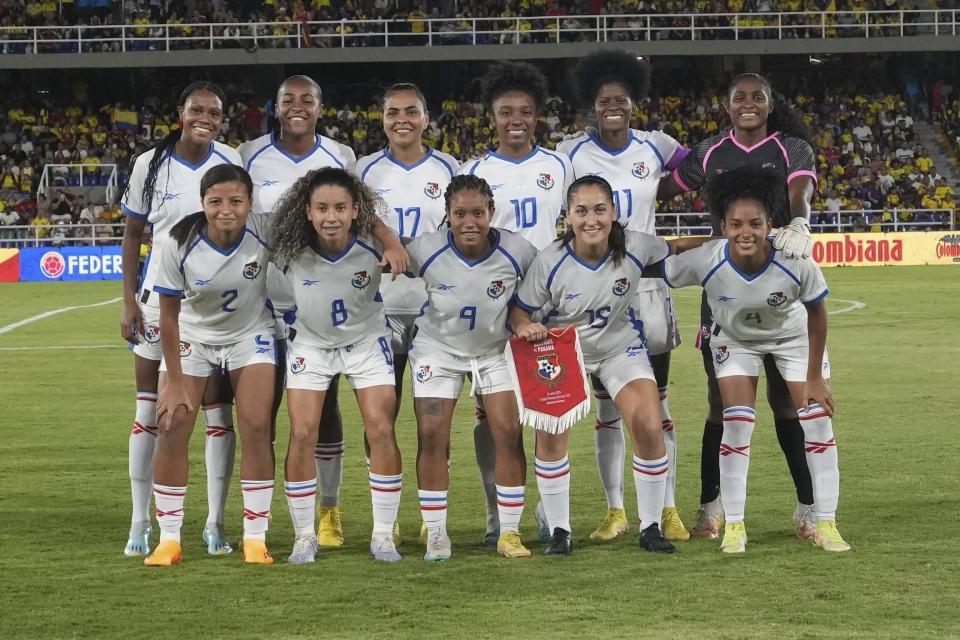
{"type": "Point", "coordinates": [368, 363]}
{"type": "Point", "coordinates": [745, 358]}
{"type": "Point", "coordinates": [436, 373]}
{"type": "Point", "coordinates": [401, 331]}
{"type": "Point", "coordinates": [655, 310]}
{"type": "Point", "coordinates": [149, 345]}
{"type": "Point", "coordinates": [202, 360]}
{"type": "Point", "coordinates": [617, 371]}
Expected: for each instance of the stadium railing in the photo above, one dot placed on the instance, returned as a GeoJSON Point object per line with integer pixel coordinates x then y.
{"type": "Point", "coordinates": [83, 235]}
{"type": "Point", "coordinates": [480, 31]}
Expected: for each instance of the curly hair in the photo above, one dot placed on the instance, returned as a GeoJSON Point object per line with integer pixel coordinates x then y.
{"type": "Point", "coordinates": [292, 230]}
{"type": "Point", "coordinates": [601, 67]}
{"type": "Point", "coordinates": [514, 76]}
{"type": "Point", "coordinates": [745, 182]}
{"type": "Point", "coordinates": [187, 228]}
{"type": "Point", "coordinates": [785, 119]}
{"type": "Point", "coordinates": [617, 241]}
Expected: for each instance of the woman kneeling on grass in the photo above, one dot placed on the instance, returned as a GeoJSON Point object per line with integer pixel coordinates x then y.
{"type": "Point", "coordinates": [588, 279]}
{"type": "Point", "coordinates": [213, 315]}
{"type": "Point", "coordinates": [763, 304]}
{"type": "Point", "coordinates": [320, 240]}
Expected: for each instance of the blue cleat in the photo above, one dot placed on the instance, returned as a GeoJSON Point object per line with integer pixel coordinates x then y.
{"type": "Point", "coordinates": [543, 528]}
{"type": "Point", "coordinates": [138, 544]}
{"type": "Point", "coordinates": [216, 542]}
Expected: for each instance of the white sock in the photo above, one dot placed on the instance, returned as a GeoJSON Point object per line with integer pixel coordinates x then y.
{"type": "Point", "coordinates": [169, 501]}
{"type": "Point", "coordinates": [220, 447]}
{"type": "Point", "coordinates": [143, 441]}
{"type": "Point", "coordinates": [738, 423]}
{"type": "Point", "coordinates": [553, 482]}
{"type": "Point", "coordinates": [257, 496]}
{"type": "Point", "coordinates": [329, 459]}
{"type": "Point", "coordinates": [821, 449]}
{"type": "Point", "coordinates": [433, 509]}
{"type": "Point", "coordinates": [650, 480]}
{"type": "Point", "coordinates": [670, 442]}
{"type": "Point", "coordinates": [486, 463]}
{"type": "Point", "coordinates": [610, 450]}
{"type": "Point", "coordinates": [510, 508]}
{"type": "Point", "coordinates": [302, 502]}
{"type": "Point", "coordinates": [385, 493]}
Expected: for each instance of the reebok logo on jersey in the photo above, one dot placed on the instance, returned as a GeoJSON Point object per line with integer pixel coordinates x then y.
{"type": "Point", "coordinates": [170, 196]}
{"type": "Point", "coordinates": [297, 365]}
{"type": "Point", "coordinates": [432, 190]}
{"type": "Point", "coordinates": [496, 289]}
{"type": "Point", "coordinates": [640, 170]}
{"type": "Point", "coordinates": [446, 287]}
{"type": "Point", "coordinates": [633, 352]}
{"type": "Point", "coordinates": [380, 192]}
{"type": "Point", "coordinates": [251, 270]}
{"type": "Point", "coordinates": [545, 181]}
{"type": "Point", "coordinates": [151, 333]}
{"type": "Point", "coordinates": [424, 373]}
{"type": "Point", "coordinates": [621, 286]}
{"type": "Point", "coordinates": [311, 283]}
{"type": "Point", "coordinates": [264, 345]}
{"type": "Point", "coordinates": [494, 187]}
{"type": "Point", "coordinates": [721, 354]}
{"type": "Point", "coordinates": [185, 349]}
{"type": "Point", "coordinates": [776, 299]}
{"type": "Point", "coordinates": [269, 183]}
{"type": "Point", "coordinates": [571, 296]}
{"type": "Point", "coordinates": [200, 282]}
{"type": "Point", "coordinates": [360, 279]}
{"type": "Point", "coordinates": [725, 299]}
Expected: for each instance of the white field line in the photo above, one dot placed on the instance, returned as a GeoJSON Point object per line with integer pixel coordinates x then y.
{"type": "Point", "coordinates": [75, 346]}
{"type": "Point", "coordinates": [46, 314]}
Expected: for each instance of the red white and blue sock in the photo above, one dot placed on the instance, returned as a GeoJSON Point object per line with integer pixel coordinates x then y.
{"type": "Point", "coordinates": [385, 494]}
{"type": "Point", "coordinates": [670, 443]}
{"type": "Point", "coordinates": [328, 457]}
{"type": "Point", "coordinates": [219, 450]}
{"type": "Point", "coordinates": [433, 510]}
{"type": "Point", "coordinates": [821, 449]}
{"type": "Point", "coordinates": [169, 503]}
{"type": "Point", "coordinates": [611, 449]}
{"type": "Point", "coordinates": [553, 481]}
{"type": "Point", "coordinates": [143, 442]}
{"type": "Point", "coordinates": [302, 502]}
{"type": "Point", "coordinates": [650, 480]}
{"type": "Point", "coordinates": [510, 508]}
{"type": "Point", "coordinates": [257, 496]}
{"type": "Point", "coordinates": [738, 423]}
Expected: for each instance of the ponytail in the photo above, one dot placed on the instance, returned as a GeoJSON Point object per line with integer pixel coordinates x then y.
{"type": "Point", "coordinates": [188, 228]}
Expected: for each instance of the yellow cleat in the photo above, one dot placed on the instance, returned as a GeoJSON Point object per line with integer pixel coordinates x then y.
{"type": "Point", "coordinates": [255, 552]}
{"type": "Point", "coordinates": [612, 526]}
{"type": "Point", "coordinates": [828, 537]}
{"type": "Point", "coordinates": [423, 533]}
{"type": "Point", "coordinates": [167, 553]}
{"type": "Point", "coordinates": [734, 538]}
{"type": "Point", "coordinates": [672, 526]}
{"type": "Point", "coordinates": [510, 546]}
{"type": "Point", "coordinates": [396, 533]}
{"type": "Point", "coordinates": [329, 527]}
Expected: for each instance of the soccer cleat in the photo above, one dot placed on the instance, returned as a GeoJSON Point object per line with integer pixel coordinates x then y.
{"type": "Point", "coordinates": [138, 542]}
{"type": "Point", "coordinates": [255, 552]}
{"type": "Point", "coordinates": [167, 553]}
{"type": "Point", "coordinates": [383, 549]}
{"type": "Point", "coordinates": [561, 543]}
{"type": "Point", "coordinates": [804, 521]}
{"type": "Point", "coordinates": [438, 546]}
{"type": "Point", "coordinates": [543, 528]}
{"type": "Point", "coordinates": [652, 540]}
{"type": "Point", "coordinates": [673, 528]}
{"type": "Point", "coordinates": [709, 521]}
{"type": "Point", "coordinates": [329, 527]}
{"type": "Point", "coordinates": [491, 538]}
{"type": "Point", "coordinates": [734, 538]}
{"type": "Point", "coordinates": [614, 523]}
{"type": "Point", "coordinates": [396, 533]}
{"type": "Point", "coordinates": [510, 546]}
{"type": "Point", "coordinates": [304, 550]}
{"type": "Point", "coordinates": [827, 537]}
{"type": "Point", "coordinates": [423, 533]}
{"type": "Point", "coordinates": [216, 542]}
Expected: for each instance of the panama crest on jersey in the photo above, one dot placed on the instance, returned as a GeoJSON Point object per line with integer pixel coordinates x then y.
{"type": "Point", "coordinates": [251, 270]}
{"type": "Point", "coordinates": [185, 349]}
{"type": "Point", "coordinates": [621, 286]}
{"type": "Point", "coordinates": [549, 367]}
{"type": "Point", "coordinates": [151, 333]}
{"type": "Point", "coordinates": [424, 373]}
{"type": "Point", "coordinates": [640, 170]}
{"type": "Point", "coordinates": [298, 365]}
{"type": "Point", "coordinates": [360, 279]}
{"type": "Point", "coordinates": [721, 354]}
{"type": "Point", "coordinates": [432, 190]}
{"type": "Point", "coordinates": [776, 299]}
{"type": "Point", "coordinates": [545, 181]}
{"type": "Point", "coordinates": [496, 289]}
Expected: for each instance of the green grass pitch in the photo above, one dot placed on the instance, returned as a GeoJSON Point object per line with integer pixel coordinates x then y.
{"type": "Point", "coordinates": [65, 416]}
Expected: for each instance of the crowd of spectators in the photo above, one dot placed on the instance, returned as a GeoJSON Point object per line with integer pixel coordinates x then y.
{"type": "Point", "coordinates": [869, 160]}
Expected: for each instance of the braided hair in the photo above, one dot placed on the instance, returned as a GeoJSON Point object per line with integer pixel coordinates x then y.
{"type": "Point", "coordinates": [465, 182]}
{"type": "Point", "coordinates": [601, 67]}
{"type": "Point", "coordinates": [514, 76]}
{"type": "Point", "coordinates": [617, 241]}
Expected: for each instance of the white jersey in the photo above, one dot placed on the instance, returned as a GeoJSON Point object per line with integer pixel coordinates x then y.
{"type": "Point", "coordinates": [176, 195]}
{"type": "Point", "coordinates": [596, 298]}
{"type": "Point", "coordinates": [414, 195]}
{"type": "Point", "coordinates": [469, 299]}
{"type": "Point", "coordinates": [337, 297]}
{"type": "Point", "coordinates": [224, 290]}
{"type": "Point", "coordinates": [764, 305]}
{"type": "Point", "coordinates": [529, 193]}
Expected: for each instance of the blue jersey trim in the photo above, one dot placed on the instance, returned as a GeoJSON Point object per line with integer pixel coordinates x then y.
{"type": "Point", "coordinates": [509, 257]}
{"type": "Point", "coordinates": [257, 153]}
{"type": "Point", "coordinates": [369, 248]}
{"type": "Point", "coordinates": [553, 272]}
{"type": "Point", "coordinates": [193, 167]}
{"type": "Point", "coordinates": [335, 258]}
{"type": "Point", "coordinates": [262, 242]}
{"type": "Point", "coordinates": [656, 151]}
{"type": "Point", "coordinates": [133, 214]}
{"type": "Point", "coordinates": [223, 157]}
{"type": "Point", "coordinates": [636, 261]}
{"type": "Point", "coordinates": [523, 305]}
{"type": "Point", "coordinates": [224, 252]}
{"type": "Point", "coordinates": [186, 253]}
{"type": "Point", "coordinates": [584, 263]}
{"type": "Point", "coordinates": [363, 176]}
{"type": "Point", "coordinates": [465, 259]}
{"type": "Point", "coordinates": [534, 151]}
{"type": "Point", "coordinates": [168, 292]}
{"type": "Point", "coordinates": [573, 151]}
{"type": "Point", "coordinates": [429, 261]}
{"type": "Point", "coordinates": [408, 167]}
{"type": "Point", "coordinates": [290, 156]}
{"type": "Point", "coordinates": [326, 151]}
{"type": "Point", "coordinates": [788, 272]}
{"type": "Point", "coordinates": [440, 159]}
{"type": "Point", "coordinates": [749, 277]}
{"type": "Point", "coordinates": [663, 274]}
{"type": "Point", "coordinates": [607, 150]}
{"type": "Point", "coordinates": [472, 171]}
{"type": "Point", "coordinates": [556, 157]}
{"type": "Point", "coordinates": [712, 271]}
{"type": "Point", "coordinates": [818, 299]}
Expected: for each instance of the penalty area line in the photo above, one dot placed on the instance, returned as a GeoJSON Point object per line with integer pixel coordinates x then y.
{"type": "Point", "coordinates": [46, 314]}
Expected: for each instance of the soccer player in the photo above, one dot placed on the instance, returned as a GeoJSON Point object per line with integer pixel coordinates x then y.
{"type": "Point", "coordinates": [529, 185]}
{"type": "Point", "coordinates": [320, 241]}
{"type": "Point", "coordinates": [471, 272]}
{"type": "Point", "coordinates": [164, 187]}
{"type": "Point", "coordinates": [211, 281]}
{"type": "Point", "coordinates": [773, 137]}
{"type": "Point", "coordinates": [765, 306]}
{"type": "Point", "coordinates": [275, 162]}
{"type": "Point", "coordinates": [608, 84]}
{"type": "Point", "coordinates": [588, 279]}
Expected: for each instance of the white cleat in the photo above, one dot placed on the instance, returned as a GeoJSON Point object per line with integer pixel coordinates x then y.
{"type": "Point", "coordinates": [304, 550]}
{"type": "Point", "coordinates": [138, 542]}
{"type": "Point", "coordinates": [383, 549]}
{"type": "Point", "coordinates": [438, 546]}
